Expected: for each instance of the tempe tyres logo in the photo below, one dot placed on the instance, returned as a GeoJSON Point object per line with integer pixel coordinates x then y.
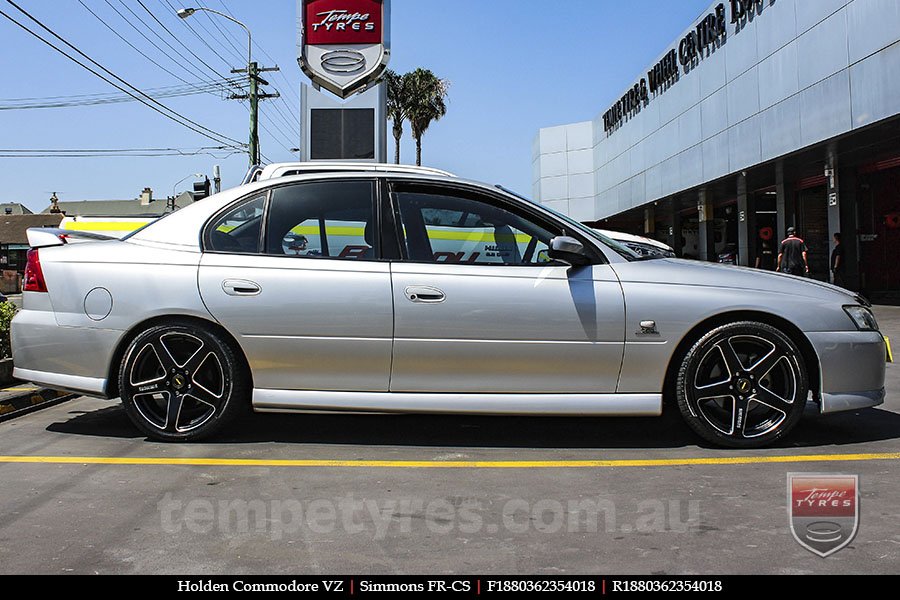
{"type": "Point", "coordinates": [823, 510]}
{"type": "Point", "coordinates": [345, 43]}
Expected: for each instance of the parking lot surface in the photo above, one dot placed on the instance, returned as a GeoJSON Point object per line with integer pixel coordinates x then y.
{"type": "Point", "coordinates": [82, 491]}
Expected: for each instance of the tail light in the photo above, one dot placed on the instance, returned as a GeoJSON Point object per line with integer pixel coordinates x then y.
{"type": "Point", "coordinates": [34, 276]}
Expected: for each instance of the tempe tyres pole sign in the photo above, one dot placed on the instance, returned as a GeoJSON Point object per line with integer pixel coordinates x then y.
{"type": "Point", "coordinates": [345, 43]}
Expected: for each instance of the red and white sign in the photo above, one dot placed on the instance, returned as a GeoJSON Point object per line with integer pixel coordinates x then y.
{"type": "Point", "coordinates": [345, 43]}
{"type": "Point", "coordinates": [343, 22]}
{"type": "Point", "coordinates": [823, 510]}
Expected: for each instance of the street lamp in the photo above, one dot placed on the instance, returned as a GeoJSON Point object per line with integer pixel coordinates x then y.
{"type": "Point", "coordinates": [252, 74]}
{"type": "Point", "coordinates": [184, 13]}
{"type": "Point", "coordinates": [174, 187]}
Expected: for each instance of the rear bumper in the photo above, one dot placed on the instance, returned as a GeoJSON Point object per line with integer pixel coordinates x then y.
{"type": "Point", "coordinates": [852, 366]}
{"type": "Point", "coordinates": [70, 358]}
{"type": "Point", "coordinates": [90, 386]}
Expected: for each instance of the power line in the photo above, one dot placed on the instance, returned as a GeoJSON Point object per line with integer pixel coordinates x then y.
{"type": "Point", "coordinates": [186, 23]}
{"type": "Point", "coordinates": [97, 99]}
{"type": "Point", "coordinates": [175, 37]}
{"type": "Point", "coordinates": [220, 156]}
{"type": "Point", "coordinates": [230, 38]}
{"type": "Point", "coordinates": [219, 152]}
{"type": "Point", "coordinates": [286, 145]}
{"type": "Point", "coordinates": [181, 64]}
{"type": "Point", "coordinates": [291, 89]}
{"type": "Point", "coordinates": [164, 110]}
{"type": "Point", "coordinates": [290, 86]}
{"type": "Point", "coordinates": [76, 97]}
{"type": "Point", "coordinates": [135, 48]}
{"type": "Point", "coordinates": [181, 61]}
{"type": "Point", "coordinates": [118, 150]}
{"type": "Point", "coordinates": [293, 127]}
{"type": "Point", "coordinates": [280, 138]}
{"type": "Point", "coordinates": [161, 24]}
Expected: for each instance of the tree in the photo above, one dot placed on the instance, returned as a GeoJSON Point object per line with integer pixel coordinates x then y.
{"type": "Point", "coordinates": [425, 96]}
{"type": "Point", "coordinates": [396, 109]}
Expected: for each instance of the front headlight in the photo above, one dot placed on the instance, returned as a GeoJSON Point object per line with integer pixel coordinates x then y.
{"type": "Point", "coordinates": [862, 317]}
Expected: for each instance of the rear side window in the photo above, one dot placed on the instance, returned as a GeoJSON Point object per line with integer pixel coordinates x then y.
{"type": "Point", "coordinates": [332, 219]}
{"type": "Point", "coordinates": [239, 229]}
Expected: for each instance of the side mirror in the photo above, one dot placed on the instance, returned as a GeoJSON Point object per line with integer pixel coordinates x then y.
{"type": "Point", "coordinates": [568, 250]}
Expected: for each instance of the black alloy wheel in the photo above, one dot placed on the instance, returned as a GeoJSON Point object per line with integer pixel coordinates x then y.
{"type": "Point", "coordinates": [181, 382]}
{"type": "Point", "coordinates": [742, 385]}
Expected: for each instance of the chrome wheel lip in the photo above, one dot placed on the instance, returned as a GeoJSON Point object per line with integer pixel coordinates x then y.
{"type": "Point", "coordinates": [734, 389]}
{"type": "Point", "coordinates": [179, 388]}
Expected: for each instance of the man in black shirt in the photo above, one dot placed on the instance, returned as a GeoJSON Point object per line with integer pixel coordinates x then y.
{"type": "Point", "coordinates": [837, 262]}
{"type": "Point", "coordinates": [766, 258]}
{"type": "Point", "coordinates": [792, 257]}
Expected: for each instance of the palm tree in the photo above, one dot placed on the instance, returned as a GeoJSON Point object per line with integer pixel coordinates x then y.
{"type": "Point", "coordinates": [425, 95]}
{"type": "Point", "coordinates": [396, 110]}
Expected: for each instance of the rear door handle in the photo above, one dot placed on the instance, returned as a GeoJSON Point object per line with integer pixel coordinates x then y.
{"type": "Point", "coordinates": [241, 287]}
{"type": "Point", "coordinates": [424, 294]}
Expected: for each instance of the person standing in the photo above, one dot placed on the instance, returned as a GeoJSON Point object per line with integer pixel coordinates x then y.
{"type": "Point", "coordinates": [837, 262]}
{"type": "Point", "coordinates": [765, 260]}
{"type": "Point", "coordinates": [792, 258]}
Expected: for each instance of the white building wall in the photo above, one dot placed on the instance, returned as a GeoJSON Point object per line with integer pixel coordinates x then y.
{"type": "Point", "coordinates": [798, 73]}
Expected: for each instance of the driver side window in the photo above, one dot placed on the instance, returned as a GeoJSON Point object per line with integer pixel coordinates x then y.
{"type": "Point", "coordinates": [445, 228]}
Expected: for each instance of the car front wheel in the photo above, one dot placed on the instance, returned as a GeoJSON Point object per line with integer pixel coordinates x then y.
{"type": "Point", "coordinates": [742, 385]}
{"type": "Point", "coordinates": [181, 382]}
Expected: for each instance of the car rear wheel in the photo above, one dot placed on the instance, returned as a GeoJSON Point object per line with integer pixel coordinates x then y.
{"type": "Point", "coordinates": [742, 385]}
{"type": "Point", "coordinates": [181, 382]}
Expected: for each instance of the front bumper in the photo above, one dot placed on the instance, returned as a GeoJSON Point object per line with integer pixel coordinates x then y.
{"type": "Point", "coordinates": [852, 367]}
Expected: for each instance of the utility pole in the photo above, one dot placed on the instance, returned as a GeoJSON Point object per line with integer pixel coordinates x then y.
{"type": "Point", "coordinates": [254, 96]}
{"type": "Point", "coordinates": [253, 70]}
{"type": "Point", "coordinates": [217, 179]}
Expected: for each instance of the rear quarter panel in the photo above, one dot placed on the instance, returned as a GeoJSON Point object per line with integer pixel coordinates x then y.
{"type": "Point", "coordinates": [143, 281]}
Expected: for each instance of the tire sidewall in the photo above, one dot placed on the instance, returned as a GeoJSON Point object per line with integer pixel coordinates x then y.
{"type": "Point", "coordinates": [231, 370]}
{"type": "Point", "coordinates": [691, 362]}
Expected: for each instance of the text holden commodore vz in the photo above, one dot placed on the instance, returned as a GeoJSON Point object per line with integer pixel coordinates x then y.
{"type": "Point", "coordinates": [382, 290]}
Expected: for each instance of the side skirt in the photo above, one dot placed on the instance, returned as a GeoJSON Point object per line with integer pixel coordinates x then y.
{"type": "Point", "coordinates": [623, 405]}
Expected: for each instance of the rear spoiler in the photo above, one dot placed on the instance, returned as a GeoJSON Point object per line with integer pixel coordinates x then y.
{"type": "Point", "coordinates": [41, 237]}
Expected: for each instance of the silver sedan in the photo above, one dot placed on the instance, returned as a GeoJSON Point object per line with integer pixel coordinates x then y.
{"type": "Point", "coordinates": [415, 292]}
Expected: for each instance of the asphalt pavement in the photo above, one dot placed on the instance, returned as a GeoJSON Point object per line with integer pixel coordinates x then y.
{"type": "Point", "coordinates": [434, 494]}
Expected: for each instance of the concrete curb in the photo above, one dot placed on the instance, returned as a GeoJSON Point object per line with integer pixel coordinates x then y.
{"type": "Point", "coordinates": [28, 402]}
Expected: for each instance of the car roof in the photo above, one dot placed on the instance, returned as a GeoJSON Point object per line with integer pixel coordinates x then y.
{"type": "Point", "coordinates": [298, 168]}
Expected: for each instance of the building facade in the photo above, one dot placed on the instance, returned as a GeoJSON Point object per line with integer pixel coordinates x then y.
{"type": "Point", "coordinates": [763, 114]}
{"type": "Point", "coordinates": [14, 246]}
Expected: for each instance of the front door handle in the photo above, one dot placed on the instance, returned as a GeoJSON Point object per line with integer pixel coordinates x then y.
{"type": "Point", "coordinates": [424, 294]}
{"type": "Point", "coordinates": [241, 287]}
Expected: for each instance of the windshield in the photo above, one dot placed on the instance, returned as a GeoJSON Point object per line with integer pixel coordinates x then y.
{"type": "Point", "coordinates": [617, 247]}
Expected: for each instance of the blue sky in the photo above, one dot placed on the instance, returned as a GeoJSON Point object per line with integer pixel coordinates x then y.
{"type": "Point", "coordinates": [514, 66]}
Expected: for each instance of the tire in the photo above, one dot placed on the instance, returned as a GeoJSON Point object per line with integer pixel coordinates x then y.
{"type": "Point", "coordinates": [742, 385]}
{"type": "Point", "coordinates": [182, 382]}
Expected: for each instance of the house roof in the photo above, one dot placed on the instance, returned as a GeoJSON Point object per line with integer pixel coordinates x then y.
{"type": "Point", "coordinates": [120, 208]}
{"type": "Point", "coordinates": [13, 227]}
{"type": "Point", "coordinates": [17, 208]}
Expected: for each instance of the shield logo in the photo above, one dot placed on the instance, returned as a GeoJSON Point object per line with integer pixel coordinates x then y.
{"type": "Point", "coordinates": [823, 510]}
{"type": "Point", "coordinates": [345, 43]}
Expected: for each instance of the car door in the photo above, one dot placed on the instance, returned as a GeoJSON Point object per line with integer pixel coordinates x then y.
{"type": "Point", "coordinates": [480, 307]}
{"type": "Point", "coordinates": [293, 275]}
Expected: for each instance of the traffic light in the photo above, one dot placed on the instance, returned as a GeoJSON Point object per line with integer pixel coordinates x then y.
{"type": "Point", "coordinates": [201, 189]}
